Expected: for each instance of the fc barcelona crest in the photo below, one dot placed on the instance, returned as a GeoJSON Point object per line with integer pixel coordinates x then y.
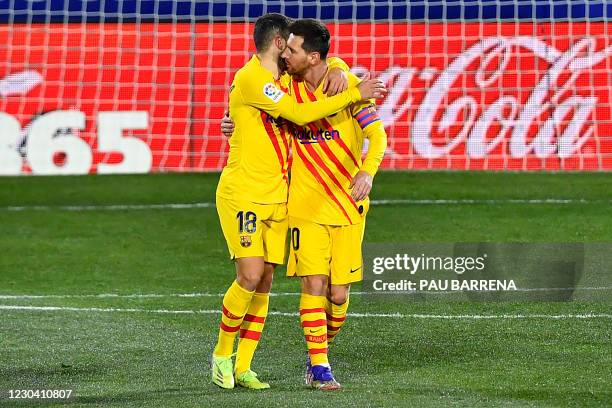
{"type": "Point", "coordinates": [245, 241]}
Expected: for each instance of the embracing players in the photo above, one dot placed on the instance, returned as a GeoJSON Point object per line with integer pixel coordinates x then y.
{"type": "Point", "coordinates": [252, 192]}
{"type": "Point", "coordinates": [328, 197]}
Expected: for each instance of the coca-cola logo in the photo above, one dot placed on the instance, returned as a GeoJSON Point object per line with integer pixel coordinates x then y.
{"type": "Point", "coordinates": [462, 95]}
{"type": "Point", "coordinates": [550, 116]}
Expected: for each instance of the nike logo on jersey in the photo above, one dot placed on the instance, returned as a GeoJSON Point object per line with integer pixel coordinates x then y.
{"type": "Point", "coordinates": [355, 270]}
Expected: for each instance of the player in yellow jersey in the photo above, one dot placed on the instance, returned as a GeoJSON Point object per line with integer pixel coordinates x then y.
{"type": "Point", "coordinates": [328, 197]}
{"type": "Point", "coordinates": [252, 193]}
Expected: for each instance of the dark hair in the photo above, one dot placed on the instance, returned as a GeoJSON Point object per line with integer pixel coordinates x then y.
{"type": "Point", "coordinates": [316, 35]}
{"type": "Point", "coordinates": [267, 27]}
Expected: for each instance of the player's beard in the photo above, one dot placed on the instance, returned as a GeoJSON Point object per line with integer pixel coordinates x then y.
{"type": "Point", "coordinates": [296, 72]}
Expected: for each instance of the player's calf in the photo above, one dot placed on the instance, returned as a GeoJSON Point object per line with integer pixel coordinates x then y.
{"type": "Point", "coordinates": [335, 309]}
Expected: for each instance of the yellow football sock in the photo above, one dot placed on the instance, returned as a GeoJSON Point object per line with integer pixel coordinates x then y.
{"type": "Point", "coordinates": [250, 331]}
{"type": "Point", "coordinates": [336, 316]}
{"type": "Point", "coordinates": [235, 304]}
{"type": "Point", "coordinates": [314, 323]}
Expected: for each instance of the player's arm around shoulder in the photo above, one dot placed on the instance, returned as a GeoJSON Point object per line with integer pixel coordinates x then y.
{"type": "Point", "coordinates": [353, 80]}
{"type": "Point", "coordinates": [336, 80]}
{"type": "Point", "coordinates": [258, 89]}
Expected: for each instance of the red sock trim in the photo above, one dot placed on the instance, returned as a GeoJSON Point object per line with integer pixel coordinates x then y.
{"type": "Point", "coordinates": [315, 310]}
{"type": "Point", "coordinates": [253, 318]}
{"type": "Point", "coordinates": [314, 323]}
{"type": "Point", "coordinates": [250, 334]}
{"type": "Point", "coordinates": [229, 329]}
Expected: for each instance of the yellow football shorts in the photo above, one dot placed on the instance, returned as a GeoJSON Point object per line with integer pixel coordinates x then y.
{"type": "Point", "coordinates": [252, 229]}
{"type": "Point", "coordinates": [332, 250]}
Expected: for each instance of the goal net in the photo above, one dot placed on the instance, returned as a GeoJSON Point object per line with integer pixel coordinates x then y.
{"type": "Point", "coordinates": [141, 86]}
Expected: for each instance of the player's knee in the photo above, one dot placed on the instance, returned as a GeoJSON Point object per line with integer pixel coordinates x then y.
{"type": "Point", "coordinates": [314, 285]}
{"type": "Point", "coordinates": [250, 279]}
{"type": "Point", "coordinates": [248, 282]}
{"type": "Point", "coordinates": [249, 272]}
{"type": "Point", "coordinates": [338, 297]}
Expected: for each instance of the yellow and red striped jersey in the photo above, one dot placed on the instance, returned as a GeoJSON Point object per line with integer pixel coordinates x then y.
{"type": "Point", "coordinates": [257, 166]}
{"type": "Point", "coordinates": [327, 155]}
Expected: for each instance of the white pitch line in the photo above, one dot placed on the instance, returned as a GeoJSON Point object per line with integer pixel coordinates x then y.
{"type": "Point", "coordinates": [199, 295]}
{"type": "Point", "coordinates": [275, 313]}
{"type": "Point", "coordinates": [112, 207]}
{"type": "Point", "coordinates": [117, 296]}
{"type": "Point", "coordinates": [181, 206]}
{"type": "Point", "coordinates": [484, 201]}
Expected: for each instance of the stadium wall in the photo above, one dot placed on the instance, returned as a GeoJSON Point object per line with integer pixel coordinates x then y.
{"type": "Point", "coordinates": [140, 86]}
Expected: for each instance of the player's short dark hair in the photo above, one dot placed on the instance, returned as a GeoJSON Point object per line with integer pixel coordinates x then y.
{"type": "Point", "coordinates": [316, 35]}
{"type": "Point", "coordinates": [267, 27]}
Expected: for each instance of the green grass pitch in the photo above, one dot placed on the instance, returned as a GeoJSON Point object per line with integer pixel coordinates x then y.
{"type": "Point", "coordinates": [152, 351]}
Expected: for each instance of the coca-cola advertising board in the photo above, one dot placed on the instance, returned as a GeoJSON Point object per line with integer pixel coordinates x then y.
{"type": "Point", "coordinates": [128, 98]}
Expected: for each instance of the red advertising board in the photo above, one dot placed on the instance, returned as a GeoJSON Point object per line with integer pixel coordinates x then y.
{"type": "Point", "coordinates": [79, 98]}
